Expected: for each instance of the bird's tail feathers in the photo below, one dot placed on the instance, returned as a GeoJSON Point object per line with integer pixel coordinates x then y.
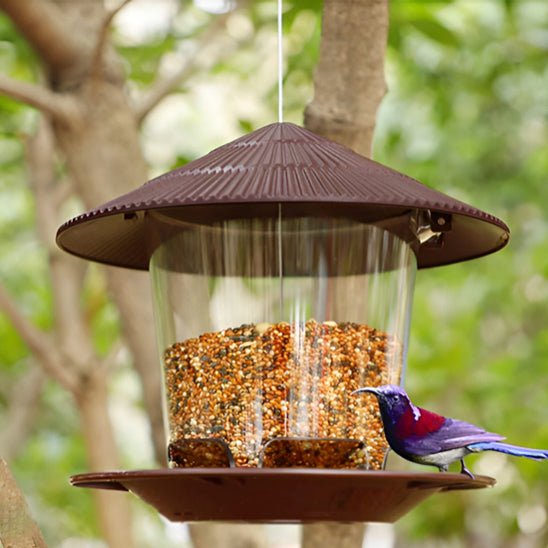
{"type": "Point", "coordinates": [515, 450]}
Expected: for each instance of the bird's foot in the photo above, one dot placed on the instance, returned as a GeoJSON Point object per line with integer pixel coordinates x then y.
{"type": "Point", "coordinates": [464, 470]}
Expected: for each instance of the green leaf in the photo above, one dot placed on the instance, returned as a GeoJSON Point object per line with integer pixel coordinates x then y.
{"type": "Point", "coordinates": [437, 32]}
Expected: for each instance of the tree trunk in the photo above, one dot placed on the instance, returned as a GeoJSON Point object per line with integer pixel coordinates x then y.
{"type": "Point", "coordinates": [17, 527]}
{"type": "Point", "coordinates": [349, 86]}
{"type": "Point", "coordinates": [104, 155]}
{"type": "Point", "coordinates": [113, 509]}
{"type": "Point", "coordinates": [339, 535]}
{"type": "Point", "coordinates": [219, 535]}
{"type": "Point", "coordinates": [349, 81]}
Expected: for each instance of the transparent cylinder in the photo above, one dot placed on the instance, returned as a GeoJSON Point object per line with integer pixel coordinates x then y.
{"type": "Point", "coordinates": [266, 326]}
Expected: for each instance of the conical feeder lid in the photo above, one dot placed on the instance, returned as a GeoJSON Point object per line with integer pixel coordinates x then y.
{"type": "Point", "coordinates": [278, 164]}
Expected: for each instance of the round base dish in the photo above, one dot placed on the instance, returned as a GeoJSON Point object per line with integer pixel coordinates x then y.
{"type": "Point", "coordinates": [288, 495]}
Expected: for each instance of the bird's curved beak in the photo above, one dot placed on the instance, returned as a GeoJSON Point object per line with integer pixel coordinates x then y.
{"type": "Point", "coordinates": [369, 389]}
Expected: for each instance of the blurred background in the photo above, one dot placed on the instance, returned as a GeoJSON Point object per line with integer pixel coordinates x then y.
{"type": "Point", "coordinates": [466, 113]}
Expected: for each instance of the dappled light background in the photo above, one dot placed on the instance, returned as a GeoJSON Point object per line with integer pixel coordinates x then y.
{"type": "Point", "coordinates": [466, 113]}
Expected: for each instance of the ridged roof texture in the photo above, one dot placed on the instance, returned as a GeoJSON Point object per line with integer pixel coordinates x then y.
{"type": "Point", "coordinates": [279, 163]}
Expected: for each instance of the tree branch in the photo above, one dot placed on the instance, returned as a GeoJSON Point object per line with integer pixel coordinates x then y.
{"type": "Point", "coordinates": [63, 190]}
{"type": "Point", "coordinates": [37, 341]}
{"type": "Point", "coordinates": [42, 23]}
{"type": "Point", "coordinates": [98, 53]}
{"type": "Point", "coordinates": [162, 87]}
{"type": "Point", "coordinates": [112, 358]}
{"type": "Point", "coordinates": [39, 97]}
{"type": "Point", "coordinates": [40, 154]}
{"type": "Point", "coordinates": [23, 406]}
{"type": "Point", "coordinates": [67, 273]}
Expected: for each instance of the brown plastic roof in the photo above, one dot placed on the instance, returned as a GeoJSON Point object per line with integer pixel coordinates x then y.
{"type": "Point", "coordinates": [279, 163]}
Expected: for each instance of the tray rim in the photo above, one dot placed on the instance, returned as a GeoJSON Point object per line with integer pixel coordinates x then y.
{"type": "Point", "coordinates": [431, 480]}
{"type": "Point", "coordinates": [257, 495]}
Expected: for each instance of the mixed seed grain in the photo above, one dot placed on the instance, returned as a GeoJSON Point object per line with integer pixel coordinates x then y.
{"type": "Point", "coordinates": [255, 384]}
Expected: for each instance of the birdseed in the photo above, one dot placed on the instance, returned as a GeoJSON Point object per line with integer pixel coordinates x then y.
{"type": "Point", "coordinates": [255, 384]}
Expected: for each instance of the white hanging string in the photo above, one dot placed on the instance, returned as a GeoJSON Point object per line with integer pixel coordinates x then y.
{"type": "Point", "coordinates": [280, 65]}
{"type": "Point", "coordinates": [280, 120]}
{"type": "Point", "coordinates": [280, 261]}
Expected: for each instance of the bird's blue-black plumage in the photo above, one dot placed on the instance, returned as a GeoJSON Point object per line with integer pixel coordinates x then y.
{"type": "Point", "coordinates": [451, 434]}
{"type": "Point", "coordinates": [428, 438]}
{"type": "Point", "coordinates": [515, 450]}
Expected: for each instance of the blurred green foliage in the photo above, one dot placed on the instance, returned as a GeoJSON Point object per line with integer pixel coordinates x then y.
{"type": "Point", "coordinates": [466, 113]}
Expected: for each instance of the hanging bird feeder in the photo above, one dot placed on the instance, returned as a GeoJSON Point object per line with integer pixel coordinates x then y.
{"type": "Point", "coordinates": [282, 268]}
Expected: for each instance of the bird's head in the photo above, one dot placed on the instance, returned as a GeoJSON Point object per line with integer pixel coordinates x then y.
{"type": "Point", "coordinates": [391, 397]}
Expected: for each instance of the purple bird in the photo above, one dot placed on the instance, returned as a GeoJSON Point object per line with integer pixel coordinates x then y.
{"type": "Point", "coordinates": [424, 437]}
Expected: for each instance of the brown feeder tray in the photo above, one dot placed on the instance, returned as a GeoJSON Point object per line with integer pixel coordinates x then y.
{"type": "Point", "coordinates": [287, 495]}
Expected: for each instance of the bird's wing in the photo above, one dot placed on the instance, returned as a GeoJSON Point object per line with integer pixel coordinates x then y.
{"type": "Point", "coordinates": [452, 434]}
{"type": "Point", "coordinates": [455, 433]}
